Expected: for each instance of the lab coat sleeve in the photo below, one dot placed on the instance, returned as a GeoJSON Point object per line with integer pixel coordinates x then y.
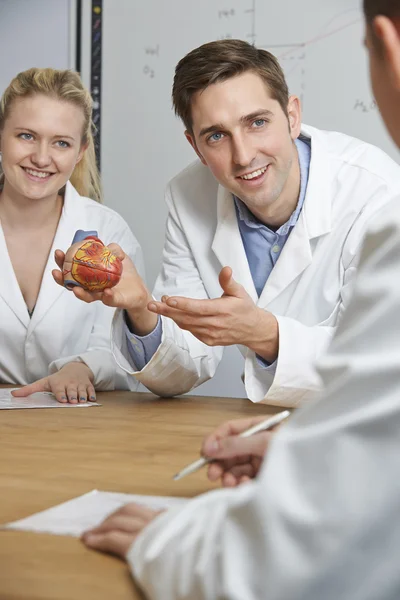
{"type": "Point", "coordinates": [142, 348]}
{"type": "Point", "coordinates": [321, 520]}
{"type": "Point", "coordinates": [98, 356]}
{"type": "Point", "coordinates": [181, 362]}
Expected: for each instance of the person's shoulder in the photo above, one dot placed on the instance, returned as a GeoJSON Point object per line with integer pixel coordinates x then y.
{"type": "Point", "coordinates": [350, 152]}
{"type": "Point", "coordinates": [382, 236]}
{"type": "Point", "coordinates": [380, 253]}
{"type": "Point", "coordinates": [387, 221]}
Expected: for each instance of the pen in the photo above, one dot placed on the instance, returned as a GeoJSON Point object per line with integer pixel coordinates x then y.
{"type": "Point", "coordinates": [263, 426]}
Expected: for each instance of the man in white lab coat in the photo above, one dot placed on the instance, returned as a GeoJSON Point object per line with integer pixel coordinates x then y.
{"type": "Point", "coordinates": [321, 520]}
{"type": "Point", "coordinates": [282, 206]}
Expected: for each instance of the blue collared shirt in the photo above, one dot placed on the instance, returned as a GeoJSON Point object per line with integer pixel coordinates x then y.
{"type": "Point", "coordinates": [263, 247]}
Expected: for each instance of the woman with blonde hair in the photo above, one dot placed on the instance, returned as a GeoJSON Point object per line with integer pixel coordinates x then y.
{"type": "Point", "coordinates": [49, 188]}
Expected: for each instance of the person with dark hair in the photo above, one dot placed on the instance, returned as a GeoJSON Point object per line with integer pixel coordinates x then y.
{"type": "Point", "coordinates": [385, 8]}
{"type": "Point", "coordinates": [262, 239]}
{"type": "Point", "coordinates": [383, 21]}
{"type": "Point", "coordinates": [320, 521]}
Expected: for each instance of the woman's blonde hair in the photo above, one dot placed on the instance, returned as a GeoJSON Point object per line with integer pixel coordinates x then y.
{"type": "Point", "coordinates": [67, 86]}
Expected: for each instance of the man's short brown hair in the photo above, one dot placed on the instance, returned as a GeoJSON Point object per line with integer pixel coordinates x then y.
{"type": "Point", "coordinates": [218, 61]}
{"type": "Point", "coordinates": [387, 8]}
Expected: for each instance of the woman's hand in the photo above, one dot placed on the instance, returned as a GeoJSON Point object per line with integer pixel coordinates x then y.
{"type": "Point", "coordinates": [130, 293]}
{"type": "Point", "coordinates": [72, 383]}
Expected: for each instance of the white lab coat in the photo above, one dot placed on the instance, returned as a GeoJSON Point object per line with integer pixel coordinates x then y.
{"type": "Point", "coordinates": [310, 285]}
{"type": "Point", "coordinates": [321, 522]}
{"type": "Point", "coordinates": [62, 328]}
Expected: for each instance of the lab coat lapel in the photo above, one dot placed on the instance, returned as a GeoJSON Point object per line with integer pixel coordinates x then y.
{"type": "Point", "coordinates": [10, 291]}
{"type": "Point", "coordinates": [227, 244]}
{"type": "Point", "coordinates": [295, 257]}
{"type": "Point", "coordinates": [314, 221]}
{"type": "Point", "coordinates": [69, 222]}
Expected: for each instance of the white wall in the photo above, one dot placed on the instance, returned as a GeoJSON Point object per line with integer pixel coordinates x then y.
{"type": "Point", "coordinates": [35, 33]}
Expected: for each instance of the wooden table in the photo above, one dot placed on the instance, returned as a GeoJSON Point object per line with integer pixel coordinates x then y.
{"type": "Point", "coordinates": [133, 443]}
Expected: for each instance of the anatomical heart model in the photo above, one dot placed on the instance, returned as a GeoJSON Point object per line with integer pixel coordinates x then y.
{"type": "Point", "coordinates": [90, 264]}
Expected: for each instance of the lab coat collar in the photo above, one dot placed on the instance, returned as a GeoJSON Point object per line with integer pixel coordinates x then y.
{"type": "Point", "coordinates": [314, 221]}
{"type": "Point", "coordinates": [50, 291]}
{"type": "Point", "coordinates": [319, 198]}
{"type": "Point", "coordinates": [10, 291]}
{"type": "Point", "coordinates": [227, 244]}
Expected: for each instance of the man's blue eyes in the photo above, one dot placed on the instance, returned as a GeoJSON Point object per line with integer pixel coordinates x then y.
{"type": "Point", "coordinates": [216, 137]}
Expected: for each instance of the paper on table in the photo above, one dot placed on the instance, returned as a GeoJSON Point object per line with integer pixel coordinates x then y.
{"type": "Point", "coordinates": [84, 512]}
{"type": "Point", "coordinates": [36, 400]}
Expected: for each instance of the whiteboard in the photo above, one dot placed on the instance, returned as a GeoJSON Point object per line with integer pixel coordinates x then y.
{"type": "Point", "coordinates": [319, 44]}
{"type": "Point", "coordinates": [36, 33]}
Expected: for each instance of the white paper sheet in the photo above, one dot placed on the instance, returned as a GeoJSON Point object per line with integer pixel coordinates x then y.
{"type": "Point", "coordinates": [84, 512]}
{"type": "Point", "coordinates": [36, 400]}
